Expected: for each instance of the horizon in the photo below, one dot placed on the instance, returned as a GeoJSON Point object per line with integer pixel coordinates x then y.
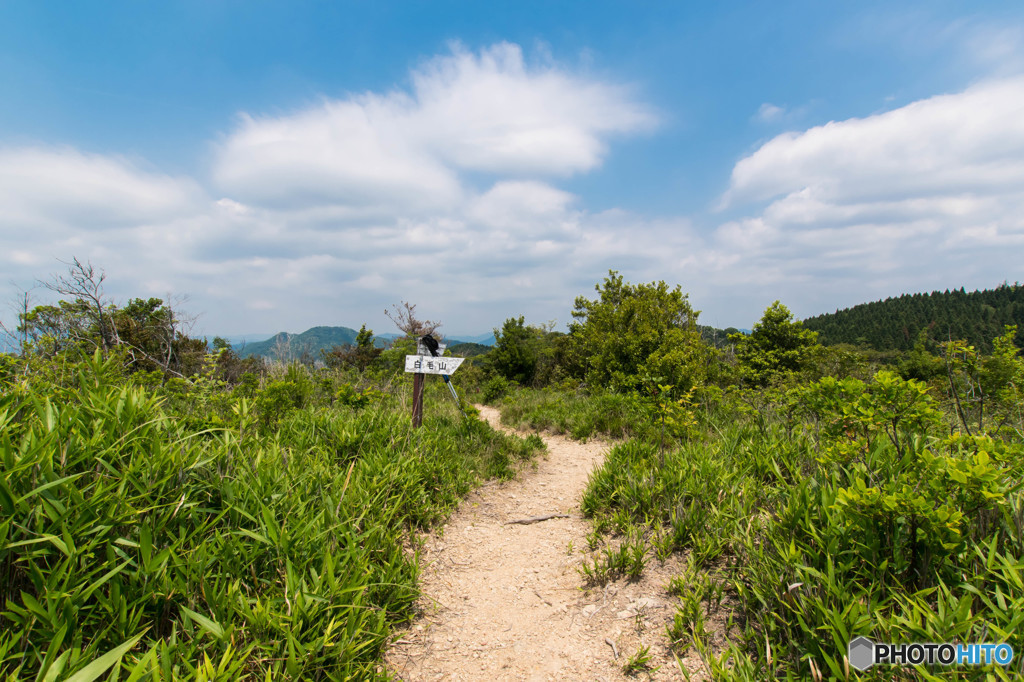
{"type": "Point", "coordinates": [312, 166]}
{"type": "Point", "coordinates": [467, 336]}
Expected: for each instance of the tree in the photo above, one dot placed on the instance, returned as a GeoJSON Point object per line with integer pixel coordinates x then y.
{"type": "Point", "coordinates": [85, 285]}
{"type": "Point", "coordinates": [230, 367]}
{"type": "Point", "coordinates": [361, 355]}
{"type": "Point", "coordinates": [516, 350]}
{"type": "Point", "coordinates": [634, 331]}
{"type": "Point", "coordinates": [148, 331]}
{"type": "Point", "coordinates": [919, 362]}
{"type": "Point", "coordinates": [775, 347]}
{"type": "Point", "coordinates": [364, 338]}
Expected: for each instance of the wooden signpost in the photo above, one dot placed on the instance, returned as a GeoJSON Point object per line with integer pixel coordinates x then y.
{"type": "Point", "coordinates": [428, 362]}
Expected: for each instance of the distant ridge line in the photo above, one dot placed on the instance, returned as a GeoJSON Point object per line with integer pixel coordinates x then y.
{"type": "Point", "coordinates": [323, 337]}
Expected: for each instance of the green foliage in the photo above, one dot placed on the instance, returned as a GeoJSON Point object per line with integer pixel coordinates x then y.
{"type": "Point", "coordinates": [1002, 376]}
{"type": "Point", "coordinates": [674, 416]}
{"type": "Point", "coordinates": [776, 347]}
{"type": "Point", "coordinates": [360, 356]}
{"type": "Point", "coordinates": [144, 331]}
{"type": "Point", "coordinates": [232, 369]}
{"type": "Point", "coordinates": [841, 360]}
{"type": "Point", "coordinates": [627, 560]}
{"type": "Point", "coordinates": [204, 516]}
{"type": "Point", "coordinates": [495, 389]}
{"type": "Point", "coordinates": [54, 328]}
{"type": "Point", "coordinates": [189, 532]}
{"type": "Point", "coordinates": [364, 339]}
{"type": "Point", "coordinates": [920, 362]}
{"type": "Point", "coordinates": [986, 389]}
{"type": "Point", "coordinates": [638, 662]}
{"type": "Point", "coordinates": [579, 415]}
{"type": "Point", "coordinates": [898, 323]}
{"type": "Point", "coordinates": [631, 331]}
{"type": "Point", "coordinates": [523, 354]}
{"type": "Point", "coordinates": [351, 397]}
{"type": "Point", "coordinates": [516, 351]}
{"type": "Point", "coordinates": [850, 414]}
{"type": "Point", "coordinates": [833, 510]}
{"type": "Point", "coordinates": [468, 350]}
{"type": "Point", "coordinates": [393, 359]}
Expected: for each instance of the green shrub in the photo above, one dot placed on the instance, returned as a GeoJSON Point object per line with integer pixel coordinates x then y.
{"type": "Point", "coordinates": [839, 509]}
{"type": "Point", "coordinates": [495, 389]}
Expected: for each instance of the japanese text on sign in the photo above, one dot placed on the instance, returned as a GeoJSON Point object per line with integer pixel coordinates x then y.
{"type": "Point", "coordinates": [423, 364]}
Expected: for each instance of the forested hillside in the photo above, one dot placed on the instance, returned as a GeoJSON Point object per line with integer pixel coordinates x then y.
{"type": "Point", "coordinates": [895, 323]}
{"type": "Point", "coordinates": [287, 346]}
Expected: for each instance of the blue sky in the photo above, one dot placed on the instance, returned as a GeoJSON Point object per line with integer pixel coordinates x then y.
{"type": "Point", "coordinates": [289, 164]}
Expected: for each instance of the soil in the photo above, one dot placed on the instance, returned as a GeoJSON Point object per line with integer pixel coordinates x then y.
{"type": "Point", "coordinates": [504, 601]}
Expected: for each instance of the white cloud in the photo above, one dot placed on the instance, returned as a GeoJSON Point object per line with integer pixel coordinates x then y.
{"type": "Point", "coordinates": [769, 112]}
{"type": "Point", "coordinates": [447, 195]}
{"type": "Point", "coordinates": [909, 198]}
{"type": "Point", "coordinates": [970, 141]}
{"type": "Point", "coordinates": [466, 112]}
{"type": "Point", "coordinates": [59, 203]}
{"type": "Point", "coordinates": [354, 203]}
{"type": "Point", "coordinates": [365, 192]}
{"type": "Point", "coordinates": [351, 153]}
{"type": "Point", "coordinates": [491, 112]}
{"type": "Point", "coordinates": [524, 206]}
{"type": "Point", "coordinates": [40, 187]}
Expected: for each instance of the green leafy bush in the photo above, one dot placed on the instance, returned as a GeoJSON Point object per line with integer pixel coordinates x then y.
{"type": "Point", "coordinates": [838, 509]}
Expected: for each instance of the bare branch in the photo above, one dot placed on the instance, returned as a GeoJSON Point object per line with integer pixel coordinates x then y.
{"type": "Point", "coordinates": [84, 283]}
{"type": "Point", "coordinates": [404, 317]}
{"type": "Point", "coordinates": [148, 332]}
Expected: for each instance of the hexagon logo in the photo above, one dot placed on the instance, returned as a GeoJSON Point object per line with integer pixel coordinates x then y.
{"type": "Point", "coordinates": [862, 653]}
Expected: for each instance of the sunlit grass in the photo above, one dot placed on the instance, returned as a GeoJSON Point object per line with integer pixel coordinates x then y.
{"type": "Point", "coordinates": [194, 536]}
{"type": "Point", "coordinates": [808, 538]}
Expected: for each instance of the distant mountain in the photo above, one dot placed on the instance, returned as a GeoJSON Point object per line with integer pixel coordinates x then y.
{"type": "Point", "coordinates": [292, 346]}
{"type": "Point", "coordinates": [240, 340]}
{"type": "Point", "coordinates": [484, 339]}
{"type": "Point", "coordinates": [312, 341]}
{"type": "Point", "coordinates": [468, 349]}
{"type": "Point", "coordinates": [895, 323]}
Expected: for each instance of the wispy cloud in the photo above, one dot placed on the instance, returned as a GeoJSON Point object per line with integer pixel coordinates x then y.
{"type": "Point", "coordinates": [769, 112]}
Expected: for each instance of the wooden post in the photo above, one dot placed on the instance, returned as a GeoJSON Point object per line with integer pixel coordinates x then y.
{"type": "Point", "coordinates": [417, 400]}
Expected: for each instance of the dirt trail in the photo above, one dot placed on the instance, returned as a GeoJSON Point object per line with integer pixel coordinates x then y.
{"type": "Point", "coordinates": [505, 601]}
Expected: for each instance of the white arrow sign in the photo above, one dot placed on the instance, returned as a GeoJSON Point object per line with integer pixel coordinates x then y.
{"type": "Point", "coordinates": [425, 364]}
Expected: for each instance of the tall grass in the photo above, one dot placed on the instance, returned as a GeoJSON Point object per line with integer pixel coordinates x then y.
{"type": "Point", "coordinates": [580, 415]}
{"type": "Point", "coordinates": [845, 509]}
{"type": "Point", "coordinates": [140, 534]}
